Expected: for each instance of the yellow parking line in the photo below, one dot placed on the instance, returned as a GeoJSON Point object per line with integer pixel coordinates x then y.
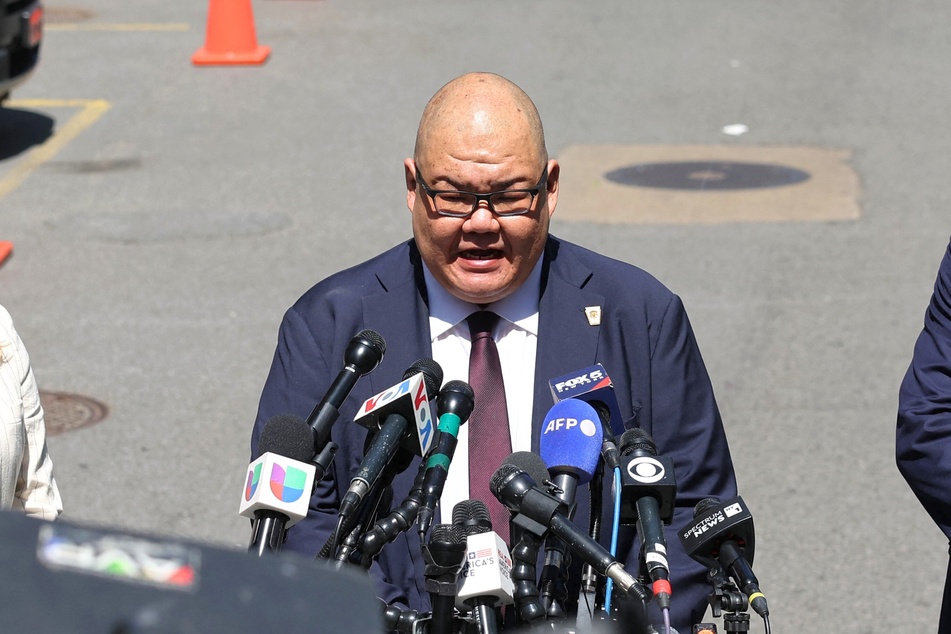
{"type": "Point", "coordinates": [116, 27]}
{"type": "Point", "coordinates": [92, 109]}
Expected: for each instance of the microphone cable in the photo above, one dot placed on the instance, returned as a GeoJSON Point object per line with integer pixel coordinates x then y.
{"type": "Point", "coordinates": [615, 528]}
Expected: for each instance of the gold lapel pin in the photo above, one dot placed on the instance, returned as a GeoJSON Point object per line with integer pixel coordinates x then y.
{"type": "Point", "coordinates": [593, 313]}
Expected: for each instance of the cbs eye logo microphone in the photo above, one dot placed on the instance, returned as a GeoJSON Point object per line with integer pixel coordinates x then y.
{"type": "Point", "coordinates": [646, 469]}
{"type": "Point", "coordinates": [647, 475]}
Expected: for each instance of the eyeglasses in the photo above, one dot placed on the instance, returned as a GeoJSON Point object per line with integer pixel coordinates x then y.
{"type": "Point", "coordinates": [458, 204]}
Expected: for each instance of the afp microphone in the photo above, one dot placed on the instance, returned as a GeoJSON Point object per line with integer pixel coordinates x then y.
{"type": "Point", "coordinates": [403, 416]}
{"type": "Point", "coordinates": [280, 482]}
{"type": "Point", "coordinates": [454, 404]}
{"type": "Point", "coordinates": [648, 490]}
{"type": "Point", "coordinates": [722, 534]}
{"type": "Point", "coordinates": [593, 386]}
{"type": "Point", "coordinates": [570, 445]}
{"type": "Point", "coordinates": [517, 490]}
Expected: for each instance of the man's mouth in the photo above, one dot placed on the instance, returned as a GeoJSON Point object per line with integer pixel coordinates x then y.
{"type": "Point", "coordinates": [481, 254]}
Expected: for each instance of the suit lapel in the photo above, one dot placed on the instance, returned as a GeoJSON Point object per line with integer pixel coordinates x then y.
{"type": "Point", "coordinates": [400, 314]}
{"type": "Point", "coordinates": [566, 339]}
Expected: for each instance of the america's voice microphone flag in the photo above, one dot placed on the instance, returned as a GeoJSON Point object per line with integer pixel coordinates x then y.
{"type": "Point", "coordinates": [487, 571]}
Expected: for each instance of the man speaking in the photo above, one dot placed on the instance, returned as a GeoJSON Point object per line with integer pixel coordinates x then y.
{"type": "Point", "coordinates": [484, 290]}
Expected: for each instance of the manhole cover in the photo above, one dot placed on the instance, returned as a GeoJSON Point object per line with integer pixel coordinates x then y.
{"type": "Point", "coordinates": [58, 15]}
{"type": "Point", "coordinates": [707, 175]}
{"type": "Point", "coordinates": [66, 412]}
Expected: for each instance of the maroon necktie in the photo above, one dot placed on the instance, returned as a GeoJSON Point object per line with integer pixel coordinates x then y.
{"type": "Point", "coordinates": [489, 443]}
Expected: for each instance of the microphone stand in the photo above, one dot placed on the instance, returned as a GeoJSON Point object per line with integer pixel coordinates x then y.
{"type": "Point", "coordinates": [397, 620]}
{"type": "Point", "coordinates": [387, 529]}
{"type": "Point", "coordinates": [370, 506]}
{"type": "Point", "coordinates": [588, 593]}
{"type": "Point", "coordinates": [267, 532]}
{"type": "Point", "coordinates": [726, 597]}
{"type": "Point", "coordinates": [524, 558]}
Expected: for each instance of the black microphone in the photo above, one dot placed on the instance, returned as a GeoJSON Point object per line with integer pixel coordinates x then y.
{"type": "Point", "coordinates": [454, 404]}
{"type": "Point", "coordinates": [280, 482]}
{"type": "Point", "coordinates": [722, 534]}
{"type": "Point", "coordinates": [516, 489]}
{"type": "Point", "coordinates": [363, 353]}
{"type": "Point", "coordinates": [392, 412]}
{"type": "Point", "coordinates": [444, 556]}
{"type": "Point", "coordinates": [389, 412]}
{"type": "Point", "coordinates": [648, 491]}
{"type": "Point", "coordinates": [486, 579]}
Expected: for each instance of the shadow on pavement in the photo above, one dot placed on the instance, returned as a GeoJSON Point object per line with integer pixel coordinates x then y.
{"type": "Point", "coordinates": [20, 130]}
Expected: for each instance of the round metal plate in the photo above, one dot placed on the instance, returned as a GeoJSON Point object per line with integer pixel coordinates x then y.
{"type": "Point", "coordinates": [707, 175]}
{"type": "Point", "coordinates": [67, 412]}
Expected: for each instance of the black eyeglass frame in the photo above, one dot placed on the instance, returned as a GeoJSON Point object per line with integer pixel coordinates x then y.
{"type": "Point", "coordinates": [534, 191]}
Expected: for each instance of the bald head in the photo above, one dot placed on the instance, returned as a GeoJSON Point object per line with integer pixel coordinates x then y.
{"type": "Point", "coordinates": [480, 134]}
{"type": "Point", "coordinates": [485, 108]}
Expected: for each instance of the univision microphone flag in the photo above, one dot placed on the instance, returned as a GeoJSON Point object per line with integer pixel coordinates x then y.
{"type": "Point", "coordinates": [278, 483]}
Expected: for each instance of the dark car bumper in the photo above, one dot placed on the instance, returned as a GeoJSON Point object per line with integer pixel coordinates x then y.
{"type": "Point", "coordinates": [21, 30]}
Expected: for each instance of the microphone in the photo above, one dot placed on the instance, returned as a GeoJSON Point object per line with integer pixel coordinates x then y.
{"type": "Point", "coordinates": [594, 386]}
{"type": "Point", "coordinates": [444, 557]}
{"type": "Point", "coordinates": [486, 579]}
{"type": "Point", "coordinates": [279, 483]}
{"type": "Point", "coordinates": [454, 402]}
{"type": "Point", "coordinates": [722, 534]}
{"type": "Point", "coordinates": [535, 509]}
{"type": "Point", "coordinates": [570, 445]}
{"type": "Point", "coordinates": [362, 355]}
{"type": "Point", "coordinates": [648, 490]}
{"type": "Point", "coordinates": [391, 412]}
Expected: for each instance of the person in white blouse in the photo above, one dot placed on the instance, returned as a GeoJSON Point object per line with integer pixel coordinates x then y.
{"type": "Point", "coordinates": [26, 470]}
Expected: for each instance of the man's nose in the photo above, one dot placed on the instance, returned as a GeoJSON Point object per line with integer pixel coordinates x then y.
{"type": "Point", "coordinates": [482, 219]}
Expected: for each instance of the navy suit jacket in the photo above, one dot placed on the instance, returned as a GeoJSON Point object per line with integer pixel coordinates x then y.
{"type": "Point", "coordinates": [923, 440]}
{"type": "Point", "coordinates": [644, 341]}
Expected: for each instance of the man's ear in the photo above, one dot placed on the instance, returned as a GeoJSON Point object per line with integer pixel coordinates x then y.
{"type": "Point", "coordinates": [554, 171]}
{"type": "Point", "coordinates": [409, 172]}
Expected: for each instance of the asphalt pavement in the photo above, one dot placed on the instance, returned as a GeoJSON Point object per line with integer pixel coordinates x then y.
{"type": "Point", "coordinates": [164, 216]}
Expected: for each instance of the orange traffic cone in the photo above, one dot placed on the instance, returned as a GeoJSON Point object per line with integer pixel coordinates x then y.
{"type": "Point", "coordinates": [230, 37]}
{"type": "Point", "coordinates": [6, 248]}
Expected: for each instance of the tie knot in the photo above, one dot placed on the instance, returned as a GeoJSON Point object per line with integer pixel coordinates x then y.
{"type": "Point", "coordinates": [482, 323]}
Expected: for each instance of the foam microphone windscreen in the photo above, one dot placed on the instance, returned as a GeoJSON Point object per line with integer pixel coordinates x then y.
{"type": "Point", "coordinates": [571, 439]}
{"type": "Point", "coordinates": [289, 436]}
{"type": "Point", "coordinates": [525, 461]}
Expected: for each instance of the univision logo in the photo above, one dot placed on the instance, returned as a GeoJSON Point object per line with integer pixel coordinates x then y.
{"type": "Point", "coordinates": [254, 476]}
{"type": "Point", "coordinates": [287, 485]}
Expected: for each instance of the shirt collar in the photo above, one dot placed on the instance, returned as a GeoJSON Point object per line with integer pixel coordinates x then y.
{"type": "Point", "coordinates": [519, 308]}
